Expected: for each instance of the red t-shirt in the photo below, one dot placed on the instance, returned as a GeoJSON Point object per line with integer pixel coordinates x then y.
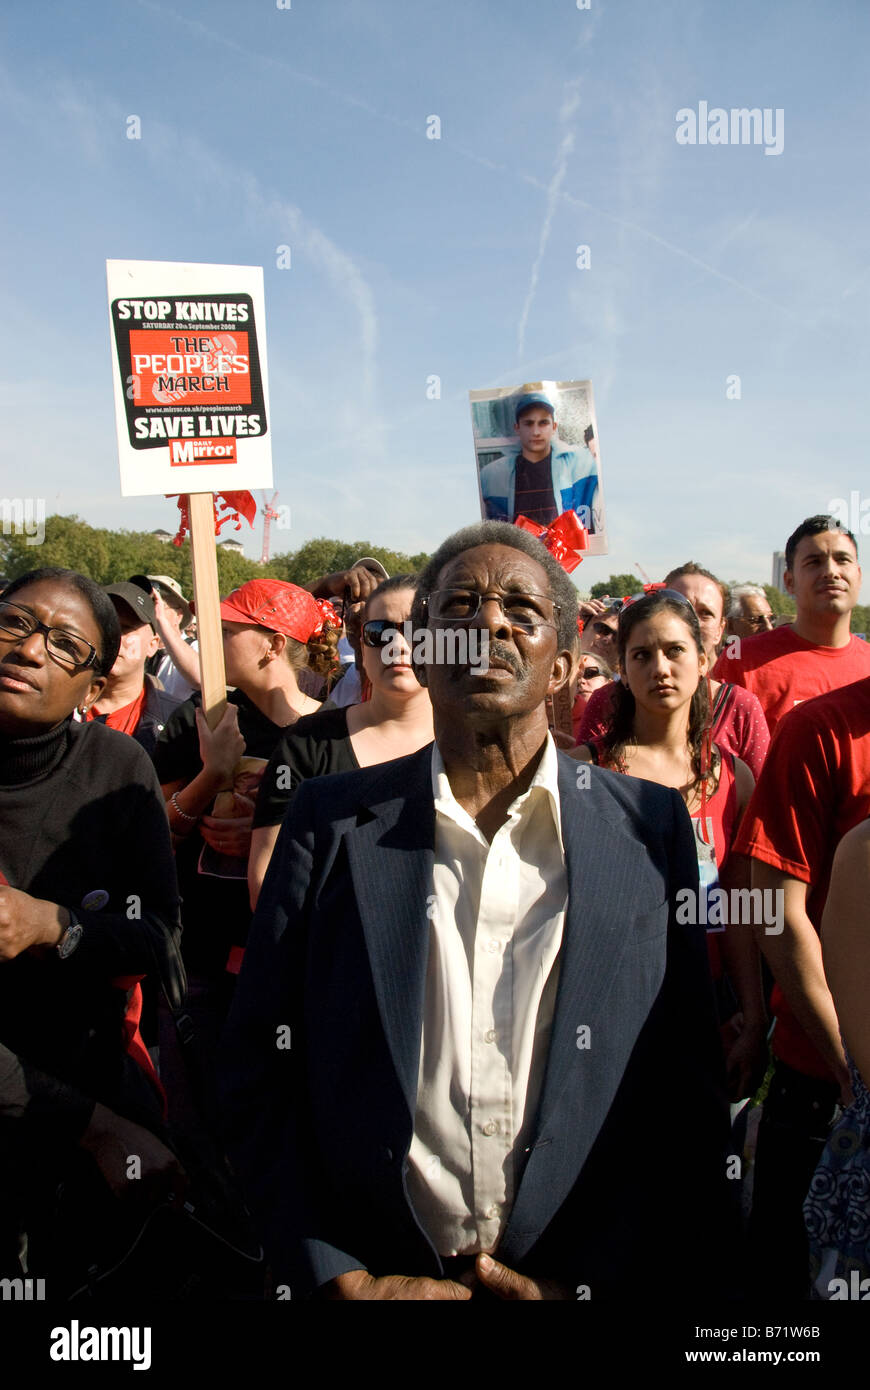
{"type": "Point", "coordinates": [126, 719]}
{"type": "Point", "coordinates": [739, 726]}
{"type": "Point", "coordinates": [718, 831]}
{"type": "Point", "coordinates": [713, 839]}
{"type": "Point", "coordinates": [720, 812]}
{"type": "Point", "coordinates": [814, 787]}
{"type": "Point", "coordinates": [783, 669]}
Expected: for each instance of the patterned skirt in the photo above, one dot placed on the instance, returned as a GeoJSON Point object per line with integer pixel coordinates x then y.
{"type": "Point", "coordinates": [837, 1208]}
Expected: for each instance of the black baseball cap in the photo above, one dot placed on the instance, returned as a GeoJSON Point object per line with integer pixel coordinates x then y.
{"type": "Point", "coordinates": [135, 598]}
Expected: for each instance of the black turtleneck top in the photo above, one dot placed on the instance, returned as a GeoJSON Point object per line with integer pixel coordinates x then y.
{"type": "Point", "coordinates": [82, 824]}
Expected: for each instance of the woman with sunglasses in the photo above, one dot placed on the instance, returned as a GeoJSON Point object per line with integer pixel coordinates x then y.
{"type": "Point", "coordinates": [88, 897]}
{"type": "Point", "coordinates": [659, 731]}
{"type": "Point", "coordinates": [395, 720]}
{"type": "Point", "coordinates": [592, 674]}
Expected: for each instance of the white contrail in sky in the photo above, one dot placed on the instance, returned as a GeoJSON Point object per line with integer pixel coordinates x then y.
{"type": "Point", "coordinates": [569, 106]}
{"type": "Point", "coordinates": [341, 94]}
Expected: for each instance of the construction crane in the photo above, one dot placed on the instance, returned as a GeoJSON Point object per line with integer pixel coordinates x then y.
{"type": "Point", "coordinates": [644, 576]}
{"type": "Point", "coordinates": [269, 515]}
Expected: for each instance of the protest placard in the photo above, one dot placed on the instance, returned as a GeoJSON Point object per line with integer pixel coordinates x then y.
{"type": "Point", "coordinates": [536, 451]}
{"type": "Point", "coordinates": [560, 707]}
{"type": "Point", "coordinates": [192, 409]}
{"type": "Point", "coordinates": [190, 377]}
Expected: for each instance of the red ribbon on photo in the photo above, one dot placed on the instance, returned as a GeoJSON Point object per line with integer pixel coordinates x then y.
{"type": "Point", "coordinates": [564, 537]}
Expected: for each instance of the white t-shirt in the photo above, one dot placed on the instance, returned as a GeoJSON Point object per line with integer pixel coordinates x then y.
{"type": "Point", "coordinates": [171, 679]}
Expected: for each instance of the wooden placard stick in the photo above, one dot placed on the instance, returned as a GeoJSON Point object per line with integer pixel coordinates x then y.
{"type": "Point", "coordinates": [559, 709]}
{"type": "Point", "coordinates": [206, 595]}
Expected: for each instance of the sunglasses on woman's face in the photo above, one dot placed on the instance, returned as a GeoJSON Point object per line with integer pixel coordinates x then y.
{"type": "Point", "coordinates": [589, 673]}
{"type": "Point", "coordinates": [380, 632]}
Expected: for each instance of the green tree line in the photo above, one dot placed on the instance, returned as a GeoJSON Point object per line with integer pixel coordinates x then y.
{"type": "Point", "coordinates": [110, 556]}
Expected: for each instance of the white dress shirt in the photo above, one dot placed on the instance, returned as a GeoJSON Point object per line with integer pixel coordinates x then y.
{"type": "Point", "coordinates": [497, 913]}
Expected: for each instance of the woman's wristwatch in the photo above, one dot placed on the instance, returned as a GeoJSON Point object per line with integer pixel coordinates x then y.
{"type": "Point", "coordinates": [71, 937]}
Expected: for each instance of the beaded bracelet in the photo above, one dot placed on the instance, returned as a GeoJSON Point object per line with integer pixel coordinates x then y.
{"type": "Point", "coordinates": [183, 814]}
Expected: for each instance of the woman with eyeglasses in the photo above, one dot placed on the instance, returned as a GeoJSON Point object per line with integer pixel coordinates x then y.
{"type": "Point", "coordinates": [88, 896]}
{"type": "Point", "coordinates": [395, 720]}
{"type": "Point", "coordinates": [659, 730]}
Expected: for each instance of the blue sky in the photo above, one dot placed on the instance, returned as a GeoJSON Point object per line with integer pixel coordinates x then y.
{"type": "Point", "coordinates": [456, 257]}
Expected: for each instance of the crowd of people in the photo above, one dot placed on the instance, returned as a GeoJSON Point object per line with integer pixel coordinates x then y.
{"type": "Point", "coordinates": [388, 978]}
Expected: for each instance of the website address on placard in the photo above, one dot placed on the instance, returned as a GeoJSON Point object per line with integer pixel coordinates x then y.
{"type": "Point", "coordinates": [775, 1358]}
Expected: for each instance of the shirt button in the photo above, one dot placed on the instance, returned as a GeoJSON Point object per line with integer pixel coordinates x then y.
{"type": "Point", "coordinates": [491, 1127]}
{"type": "Point", "coordinates": [493, 947]}
{"type": "Point", "coordinates": [490, 1035]}
{"type": "Point", "coordinates": [491, 1213]}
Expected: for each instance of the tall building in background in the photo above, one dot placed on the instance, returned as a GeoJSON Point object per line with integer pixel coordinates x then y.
{"type": "Point", "coordinates": [778, 571]}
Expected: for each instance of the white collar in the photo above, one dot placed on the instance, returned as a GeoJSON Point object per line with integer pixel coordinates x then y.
{"type": "Point", "coordinates": [546, 777]}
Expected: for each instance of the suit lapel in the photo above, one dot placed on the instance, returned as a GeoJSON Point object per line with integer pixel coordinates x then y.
{"type": "Point", "coordinates": [608, 886]}
{"type": "Point", "coordinates": [391, 856]}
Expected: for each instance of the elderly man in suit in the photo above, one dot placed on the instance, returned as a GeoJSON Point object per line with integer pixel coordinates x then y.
{"type": "Point", "coordinates": [467, 1001]}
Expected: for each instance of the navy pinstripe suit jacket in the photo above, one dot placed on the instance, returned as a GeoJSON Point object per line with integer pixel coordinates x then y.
{"type": "Point", "coordinates": [624, 1185]}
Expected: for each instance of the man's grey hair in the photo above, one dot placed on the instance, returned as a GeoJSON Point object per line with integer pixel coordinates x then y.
{"type": "Point", "coordinates": [562, 590]}
{"type": "Point", "coordinates": [738, 593]}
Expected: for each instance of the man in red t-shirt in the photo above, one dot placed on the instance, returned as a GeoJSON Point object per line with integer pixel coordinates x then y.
{"type": "Point", "coordinates": [131, 701]}
{"type": "Point", "coordinates": [814, 787]}
{"type": "Point", "coordinates": [816, 652]}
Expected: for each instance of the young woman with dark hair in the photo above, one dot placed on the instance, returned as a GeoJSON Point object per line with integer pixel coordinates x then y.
{"type": "Point", "coordinates": [737, 719]}
{"type": "Point", "coordinates": [659, 729]}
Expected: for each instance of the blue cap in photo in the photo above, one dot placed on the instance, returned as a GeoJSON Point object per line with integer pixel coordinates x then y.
{"type": "Point", "coordinates": [534, 398]}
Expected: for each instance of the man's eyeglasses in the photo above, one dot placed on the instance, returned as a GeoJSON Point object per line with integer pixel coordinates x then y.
{"type": "Point", "coordinates": [524, 612]}
{"type": "Point", "coordinates": [63, 646]}
{"type": "Point", "coordinates": [761, 620]}
{"type": "Point", "coordinates": [380, 632]}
